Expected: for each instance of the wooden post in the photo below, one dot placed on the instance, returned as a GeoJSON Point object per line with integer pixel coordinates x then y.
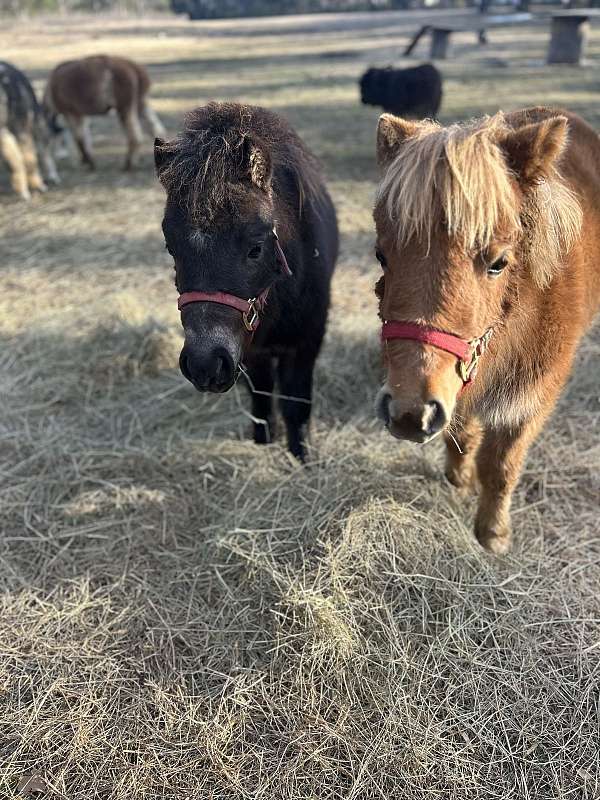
{"type": "Point", "coordinates": [439, 42]}
{"type": "Point", "coordinates": [568, 38]}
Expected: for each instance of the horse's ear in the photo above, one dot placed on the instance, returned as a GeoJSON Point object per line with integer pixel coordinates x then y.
{"type": "Point", "coordinates": [391, 132]}
{"type": "Point", "coordinates": [161, 155]}
{"type": "Point", "coordinates": [533, 149]}
{"type": "Point", "coordinates": [261, 166]}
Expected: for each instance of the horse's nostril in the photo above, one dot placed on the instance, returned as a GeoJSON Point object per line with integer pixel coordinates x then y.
{"type": "Point", "coordinates": [224, 369]}
{"type": "Point", "coordinates": [417, 425]}
{"type": "Point", "coordinates": [434, 417]}
{"type": "Point", "coordinates": [219, 369]}
{"type": "Point", "coordinates": [383, 407]}
{"type": "Point", "coordinates": [184, 365]}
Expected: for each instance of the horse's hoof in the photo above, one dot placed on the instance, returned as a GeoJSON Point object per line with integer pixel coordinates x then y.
{"type": "Point", "coordinates": [299, 452]}
{"type": "Point", "coordinates": [496, 540]}
{"type": "Point", "coordinates": [263, 433]}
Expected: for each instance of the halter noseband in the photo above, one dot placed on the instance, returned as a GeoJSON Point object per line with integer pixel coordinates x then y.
{"type": "Point", "coordinates": [252, 308]}
{"type": "Point", "coordinates": [467, 352]}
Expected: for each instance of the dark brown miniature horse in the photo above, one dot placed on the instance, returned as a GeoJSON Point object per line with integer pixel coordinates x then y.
{"type": "Point", "coordinates": [95, 85]}
{"type": "Point", "coordinates": [254, 238]}
{"type": "Point", "coordinates": [489, 284]}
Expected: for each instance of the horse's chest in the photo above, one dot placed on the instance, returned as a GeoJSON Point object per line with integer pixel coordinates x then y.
{"type": "Point", "coordinates": [508, 405]}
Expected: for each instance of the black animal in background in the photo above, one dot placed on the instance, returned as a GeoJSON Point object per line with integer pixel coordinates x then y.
{"type": "Point", "coordinates": [415, 92]}
{"type": "Point", "coordinates": [248, 215]}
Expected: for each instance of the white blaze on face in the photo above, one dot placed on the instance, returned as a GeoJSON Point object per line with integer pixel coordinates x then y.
{"type": "Point", "coordinates": [199, 239]}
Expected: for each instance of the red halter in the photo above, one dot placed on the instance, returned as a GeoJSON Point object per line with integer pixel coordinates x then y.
{"type": "Point", "coordinates": [468, 353]}
{"type": "Point", "coordinates": [251, 308]}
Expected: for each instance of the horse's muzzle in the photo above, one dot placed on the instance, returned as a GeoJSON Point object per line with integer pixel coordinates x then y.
{"type": "Point", "coordinates": [419, 424]}
{"type": "Point", "coordinates": [208, 371]}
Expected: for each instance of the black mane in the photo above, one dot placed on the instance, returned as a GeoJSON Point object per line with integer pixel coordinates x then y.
{"type": "Point", "coordinates": [208, 166]}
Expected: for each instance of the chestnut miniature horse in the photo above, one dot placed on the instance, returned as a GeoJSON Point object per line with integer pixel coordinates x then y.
{"type": "Point", "coordinates": [95, 85]}
{"type": "Point", "coordinates": [253, 234]}
{"type": "Point", "coordinates": [489, 238]}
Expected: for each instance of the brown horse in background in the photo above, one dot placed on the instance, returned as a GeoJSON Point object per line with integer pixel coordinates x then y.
{"type": "Point", "coordinates": [94, 85]}
{"type": "Point", "coordinates": [489, 236]}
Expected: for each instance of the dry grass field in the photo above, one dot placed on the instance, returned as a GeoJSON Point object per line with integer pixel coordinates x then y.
{"type": "Point", "coordinates": [187, 615]}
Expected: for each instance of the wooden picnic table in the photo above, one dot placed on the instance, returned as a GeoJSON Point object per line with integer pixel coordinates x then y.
{"type": "Point", "coordinates": [442, 29]}
{"type": "Point", "coordinates": [568, 35]}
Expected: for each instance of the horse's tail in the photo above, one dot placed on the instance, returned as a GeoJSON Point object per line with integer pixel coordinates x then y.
{"type": "Point", "coordinates": [145, 111]}
{"type": "Point", "coordinates": [143, 84]}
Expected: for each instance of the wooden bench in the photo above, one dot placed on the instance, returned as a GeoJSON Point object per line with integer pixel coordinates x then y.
{"type": "Point", "coordinates": [442, 30]}
{"type": "Point", "coordinates": [568, 35]}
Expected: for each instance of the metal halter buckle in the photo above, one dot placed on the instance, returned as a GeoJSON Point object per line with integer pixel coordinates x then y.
{"type": "Point", "coordinates": [468, 369]}
{"type": "Point", "coordinates": [250, 316]}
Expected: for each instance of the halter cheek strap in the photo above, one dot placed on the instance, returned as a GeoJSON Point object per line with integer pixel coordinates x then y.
{"type": "Point", "coordinates": [250, 309]}
{"type": "Point", "coordinates": [467, 352]}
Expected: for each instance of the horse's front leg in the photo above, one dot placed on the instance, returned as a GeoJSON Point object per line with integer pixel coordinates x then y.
{"type": "Point", "coordinates": [295, 372]}
{"type": "Point", "coordinates": [261, 379]}
{"type": "Point", "coordinates": [30, 159]}
{"type": "Point", "coordinates": [462, 444]}
{"type": "Point", "coordinates": [80, 130]}
{"type": "Point", "coordinates": [499, 463]}
{"type": "Point", "coordinates": [11, 153]}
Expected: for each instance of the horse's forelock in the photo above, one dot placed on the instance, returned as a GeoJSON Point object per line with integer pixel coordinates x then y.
{"type": "Point", "coordinates": [220, 164]}
{"type": "Point", "coordinates": [458, 176]}
{"type": "Point", "coordinates": [199, 168]}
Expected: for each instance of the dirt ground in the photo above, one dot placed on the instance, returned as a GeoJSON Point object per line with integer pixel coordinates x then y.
{"type": "Point", "coordinates": [187, 615]}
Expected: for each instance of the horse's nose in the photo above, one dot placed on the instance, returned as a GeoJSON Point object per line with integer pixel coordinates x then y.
{"type": "Point", "coordinates": [419, 424]}
{"type": "Point", "coordinates": [212, 371]}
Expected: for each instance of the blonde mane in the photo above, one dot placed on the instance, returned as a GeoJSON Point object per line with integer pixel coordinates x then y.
{"type": "Point", "coordinates": [459, 175]}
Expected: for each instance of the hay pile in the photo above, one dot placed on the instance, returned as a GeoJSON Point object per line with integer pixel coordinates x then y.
{"type": "Point", "coordinates": [186, 615]}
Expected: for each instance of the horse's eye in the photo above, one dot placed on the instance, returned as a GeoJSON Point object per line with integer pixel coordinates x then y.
{"type": "Point", "coordinates": [496, 267]}
{"type": "Point", "coordinates": [255, 252]}
{"type": "Point", "coordinates": [381, 258]}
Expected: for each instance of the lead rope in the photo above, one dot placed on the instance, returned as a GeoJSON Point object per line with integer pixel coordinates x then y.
{"type": "Point", "coordinates": [276, 395]}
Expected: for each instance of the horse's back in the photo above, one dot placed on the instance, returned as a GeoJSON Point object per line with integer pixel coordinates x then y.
{"type": "Point", "coordinates": [82, 86]}
{"type": "Point", "coordinates": [94, 85]}
{"type": "Point", "coordinates": [131, 81]}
